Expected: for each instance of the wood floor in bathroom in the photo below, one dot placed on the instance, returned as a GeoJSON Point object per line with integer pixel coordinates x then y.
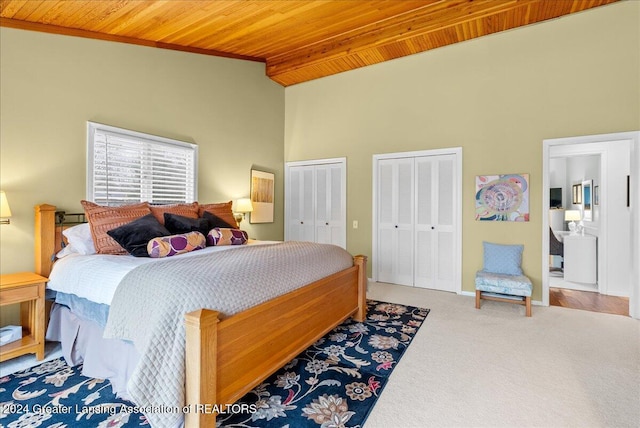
{"type": "Point", "coordinates": [588, 301]}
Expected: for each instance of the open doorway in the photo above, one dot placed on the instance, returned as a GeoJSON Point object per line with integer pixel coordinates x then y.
{"type": "Point", "coordinates": [574, 192]}
{"type": "Point", "coordinates": [575, 219]}
{"type": "Point", "coordinates": [590, 173]}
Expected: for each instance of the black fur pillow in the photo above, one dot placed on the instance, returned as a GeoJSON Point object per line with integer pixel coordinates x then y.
{"type": "Point", "coordinates": [135, 236]}
{"type": "Point", "coordinates": [181, 224]}
{"type": "Point", "coordinates": [215, 221]}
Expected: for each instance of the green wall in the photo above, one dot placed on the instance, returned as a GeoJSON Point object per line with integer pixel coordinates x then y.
{"type": "Point", "coordinates": [51, 85]}
{"type": "Point", "coordinates": [498, 97]}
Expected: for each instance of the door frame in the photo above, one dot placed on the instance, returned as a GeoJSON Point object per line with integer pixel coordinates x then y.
{"type": "Point", "coordinates": [343, 189]}
{"type": "Point", "coordinates": [634, 137]}
{"type": "Point", "coordinates": [577, 148]}
{"type": "Point", "coordinates": [457, 262]}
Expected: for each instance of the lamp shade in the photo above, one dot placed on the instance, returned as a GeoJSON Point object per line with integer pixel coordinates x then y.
{"type": "Point", "coordinates": [243, 206]}
{"type": "Point", "coordinates": [5, 211]}
{"type": "Point", "coordinates": [572, 215]}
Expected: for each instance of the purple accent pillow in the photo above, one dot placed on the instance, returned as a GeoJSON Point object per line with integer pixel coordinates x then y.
{"type": "Point", "coordinates": [226, 236]}
{"type": "Point", "coordinates": [167, 246]}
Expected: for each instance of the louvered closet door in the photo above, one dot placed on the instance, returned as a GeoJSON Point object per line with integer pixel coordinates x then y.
{"type": "Point", "coordinates": [434, 226]}
{"type": "Point", "coordinates": [395, 221]}
{"type": "Point", "coordinates": [315, 206]}
{"type": "Point", "coordinates": [301, 221]}
{"type": "Point", "coordinates": [329, 222]}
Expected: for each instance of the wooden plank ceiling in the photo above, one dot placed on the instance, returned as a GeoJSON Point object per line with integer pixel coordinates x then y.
{"type": "Point", "coordinates": [298, 40]}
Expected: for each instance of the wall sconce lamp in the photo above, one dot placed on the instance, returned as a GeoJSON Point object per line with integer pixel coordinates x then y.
{"type": "Point", "coordinates": [242, 207]}
{"type": "Point", "coordinates": [572, 216]}
{"type": "Point", "coordinates": [5, 211]}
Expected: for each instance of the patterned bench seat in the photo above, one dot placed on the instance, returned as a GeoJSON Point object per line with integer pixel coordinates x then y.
{"type": "Point", "coordinates": [504, 288]}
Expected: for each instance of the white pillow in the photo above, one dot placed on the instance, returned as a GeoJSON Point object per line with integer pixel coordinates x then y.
{"type": "Point", "coordinates": [68, 249]}
{"type": "Point", "coordinates": [79, 240]}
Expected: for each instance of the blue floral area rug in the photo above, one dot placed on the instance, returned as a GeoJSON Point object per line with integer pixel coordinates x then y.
{"type": "Point", "coordinates": [334, 383]}
{"type": "Point", "coordinates": [55, 395]}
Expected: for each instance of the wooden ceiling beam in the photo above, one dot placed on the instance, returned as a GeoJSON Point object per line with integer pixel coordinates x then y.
{"type": "Point", "coordinates": [54, 29]}
{"type": "Point", "coordinates": [439, 25]}
{"type": "Point", "coordinates": [422, 21]}
{"type": "Point", "coordinates": [299, 40]}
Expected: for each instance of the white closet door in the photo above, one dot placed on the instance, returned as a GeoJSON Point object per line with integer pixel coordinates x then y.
{"type": "Point", "coordinates": [417, 220]}
{"type": "Point", "coordinates": [386, 231]}
{"type": "Point", "coordinates": [338, 209]}
{"type": "Point", "coordinates": [330, 224]}
{"type": "Point", "coordinates": [426, 218]}
{"type": "Point", "coordinates": [301, 222]}
{"type": "Point", "coordinates": [445, 228]}
{"type": "Point", "coordinates": [435, 214]}
{"type": "Point", "coordinates": [315, 204]}
{"type": "Point", "coordinates": [395, 221]}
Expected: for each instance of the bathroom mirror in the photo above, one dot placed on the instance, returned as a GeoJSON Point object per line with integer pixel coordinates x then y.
{"type": "Point", "coordinates": [587, 203]}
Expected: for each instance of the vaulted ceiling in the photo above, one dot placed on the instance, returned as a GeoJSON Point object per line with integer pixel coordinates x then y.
{"type": "Point", "coordinates": [298, 40]}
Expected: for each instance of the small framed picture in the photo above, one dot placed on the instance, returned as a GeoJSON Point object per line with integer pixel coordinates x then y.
{"type": "Point", "coordinates": [596, 195]}
{"type": "Point", "coordinates": [262, 187]}
{"type": "Point", "coordinates": [577, 193]}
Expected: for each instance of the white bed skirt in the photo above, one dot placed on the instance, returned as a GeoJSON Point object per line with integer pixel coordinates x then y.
{"type": "Point", "coordinates": [82, 343]}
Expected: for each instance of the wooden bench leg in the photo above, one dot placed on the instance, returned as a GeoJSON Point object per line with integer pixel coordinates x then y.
{"type": "Point", "coordinates": [478, 299]}
{"type": "Point", "coordinates": [527, 303]}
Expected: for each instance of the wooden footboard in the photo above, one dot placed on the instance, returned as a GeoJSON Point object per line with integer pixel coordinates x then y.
{"type": "Point", "coordinates": [227, 358]}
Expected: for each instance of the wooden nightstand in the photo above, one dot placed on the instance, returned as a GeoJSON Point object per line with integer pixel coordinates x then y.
{"type": "Point", "coordinates": [27, 289]}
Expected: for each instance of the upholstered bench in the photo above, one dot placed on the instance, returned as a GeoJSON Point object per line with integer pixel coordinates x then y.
{"type": "Point", "coordinates": [504, 288]}
{"type": "Point", "coordinates": [502, 278]}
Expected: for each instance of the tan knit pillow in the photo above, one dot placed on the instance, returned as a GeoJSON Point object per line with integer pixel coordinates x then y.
{"type": "Point", "coordinates": [102, 218]}
{"type": "Point", "coordinates": [185, 210]}
{"type": "Point", "coordinates": [222, 210]}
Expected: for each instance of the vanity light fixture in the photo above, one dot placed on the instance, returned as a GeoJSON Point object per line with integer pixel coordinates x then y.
{"type": "Point", "coordinates": [5, 211]}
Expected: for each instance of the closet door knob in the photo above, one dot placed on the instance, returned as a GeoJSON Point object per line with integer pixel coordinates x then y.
{"type": "Point", "coordinates": [327, 224]}
{"type": "Point", "coordinates": [302, 222]}
{"type": "Point", "coordinates": [432, 227]}
{"type": "Point", "coordinates": [396, 226]}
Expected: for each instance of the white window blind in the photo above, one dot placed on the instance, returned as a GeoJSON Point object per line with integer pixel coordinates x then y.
{"type": "Point", "coordinates": [125, 167]}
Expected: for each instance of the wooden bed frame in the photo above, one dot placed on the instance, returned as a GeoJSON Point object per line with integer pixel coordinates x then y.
{"type": "Point", "coordinates": [227, 358]}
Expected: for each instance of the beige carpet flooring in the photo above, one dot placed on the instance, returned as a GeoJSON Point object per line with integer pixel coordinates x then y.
{"type": "Point", "coordinates": [494, 367]}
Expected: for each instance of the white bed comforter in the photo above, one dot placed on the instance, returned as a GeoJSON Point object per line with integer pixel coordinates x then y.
{"type": "Point", "coordinates": [97, 276]}
{"type": "Point", "coordinates": [149, 304]}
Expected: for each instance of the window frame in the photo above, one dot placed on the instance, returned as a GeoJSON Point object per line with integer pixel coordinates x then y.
{"type": "Point", "coordinates": [94, 127]}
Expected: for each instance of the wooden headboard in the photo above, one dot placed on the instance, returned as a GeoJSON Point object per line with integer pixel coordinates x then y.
{"type": "Point", "coordinates": [45, 238]}
{"type": "Point", "coordinates": [49, 225]}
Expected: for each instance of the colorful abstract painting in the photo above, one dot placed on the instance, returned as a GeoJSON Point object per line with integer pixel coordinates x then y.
{"type": "Point", "coordinates": [502, 197]}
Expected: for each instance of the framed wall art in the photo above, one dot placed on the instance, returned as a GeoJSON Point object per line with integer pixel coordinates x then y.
{"type": "Point", "coordinates": [502, 197]}
{"type": "Point", "coordinates": [587, 200]}
{"type": "Point", "coordinates": [262, 189]}
{"type": "Point", "coordinates": [576, 190]}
